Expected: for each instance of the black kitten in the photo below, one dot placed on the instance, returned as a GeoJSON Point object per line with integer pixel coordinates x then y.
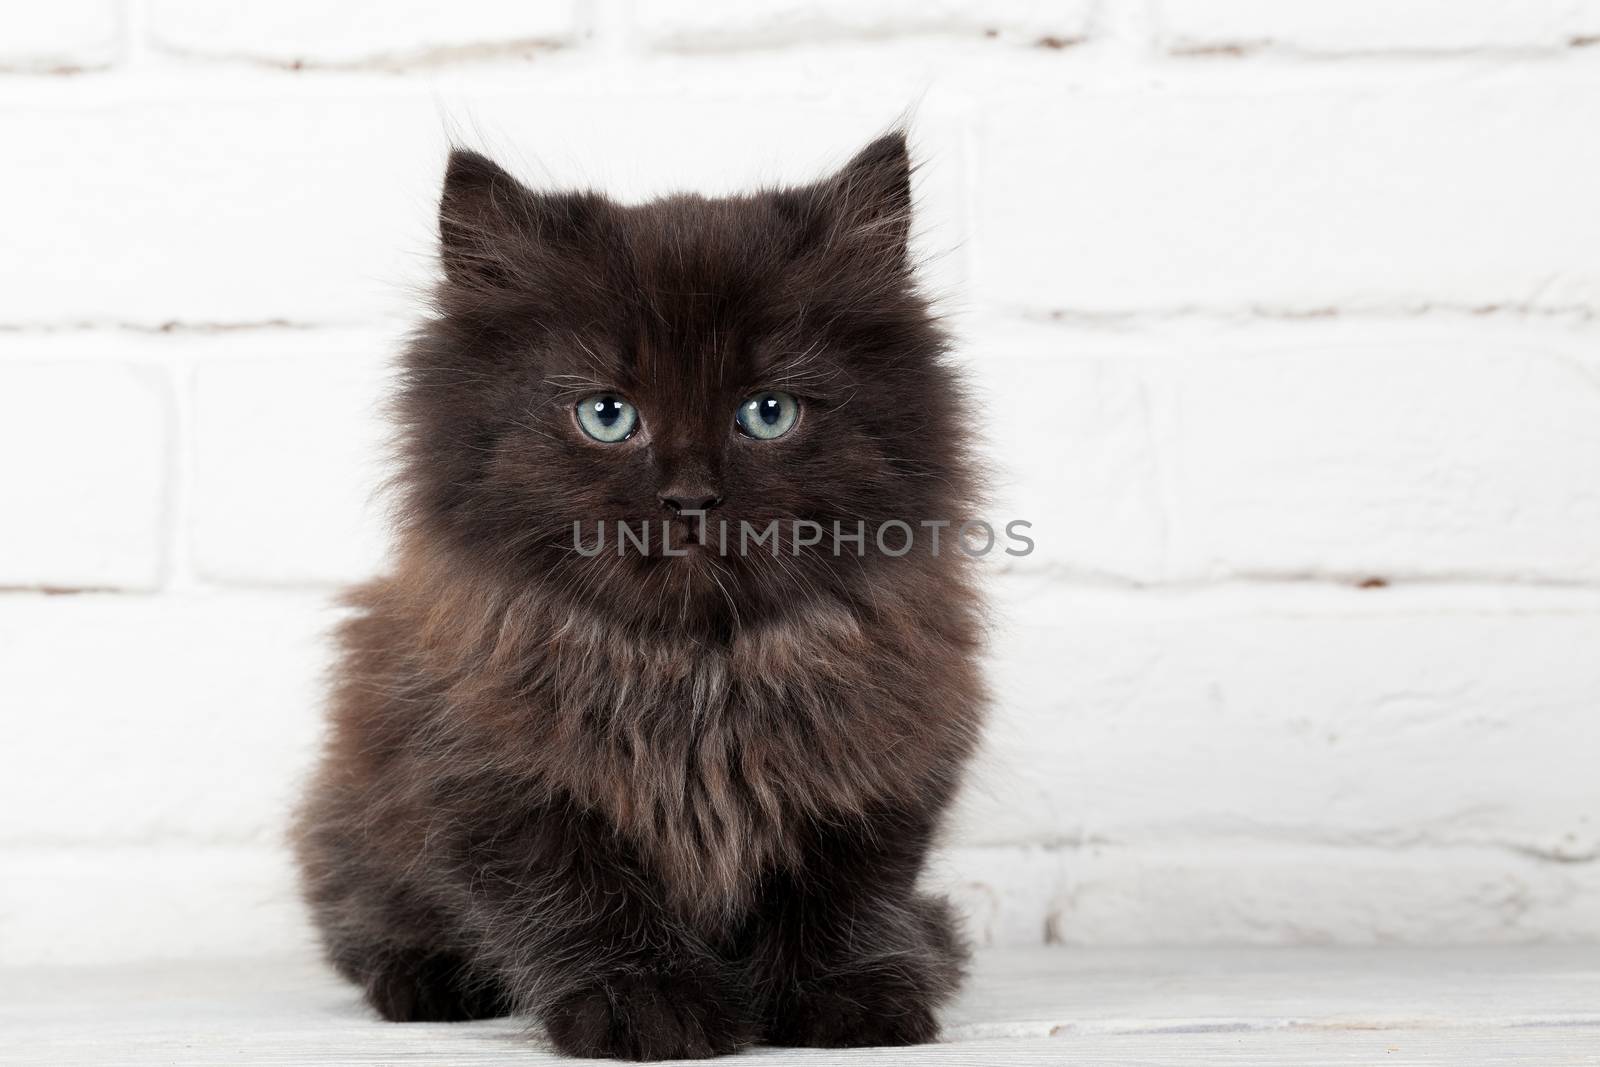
{"type": "Point", "coordinates": [670, 799]}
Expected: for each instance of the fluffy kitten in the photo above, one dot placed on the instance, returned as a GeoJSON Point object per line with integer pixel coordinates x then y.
{"type": "Point", "coordinates": [667, 804]}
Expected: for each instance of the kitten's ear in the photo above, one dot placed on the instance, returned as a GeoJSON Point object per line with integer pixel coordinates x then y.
{"type": "Point", "coordinates": [870, 197]}
{"type": "Point", "coordinates": [491, 225]}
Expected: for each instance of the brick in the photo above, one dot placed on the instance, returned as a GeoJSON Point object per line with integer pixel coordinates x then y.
{"type": "Point", "coordinates": [314, 205]}
{"type": "Point", "coordinates": [1384, 717]}
{"type": "Point", "coordinates": [112, 904]}
{"type": "Point", "coordinates": [1212, 893]}
{"type": "Point", "coordinates": [307, 32]}
{"type": "Point", "coordinates": [1390, 196]}
{"type": "Point", "coordinates": [721, 23]}
{"type": "Point", "coordinates": [64, 35]}
{"type": "Point", "coordinates": [1390, 452]}
{"type": "Point", "coordinates": [1241, 893]}
{"type": "Point", "coordinates": [182, 718]}
{"type": "Point", "coordinates": [1375, 26]}
{"type": "Point", "coordinates": [87, 478]}
{"type": "Point", "coordinates": [289, 461]}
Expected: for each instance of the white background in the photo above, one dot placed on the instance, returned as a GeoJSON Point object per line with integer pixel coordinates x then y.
{"type": "Point", "coordinates": [1283, 316]}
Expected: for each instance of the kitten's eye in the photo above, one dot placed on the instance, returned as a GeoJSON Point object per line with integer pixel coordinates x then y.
{"type": "Point", "coordinates": [768, 415]}
{"type": "Point", "coordinates": [607, 418]}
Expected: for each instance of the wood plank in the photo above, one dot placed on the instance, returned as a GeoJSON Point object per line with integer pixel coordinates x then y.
{"type": "Point", "coordinates": [1271, 1006]}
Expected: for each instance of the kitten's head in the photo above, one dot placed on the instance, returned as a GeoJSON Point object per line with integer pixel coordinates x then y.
{"type": "Point", "coordinates": [760, 357]}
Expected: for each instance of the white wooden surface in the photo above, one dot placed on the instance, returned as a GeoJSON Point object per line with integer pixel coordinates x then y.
{"type": "Point", "coordinates": [1041, 1006]}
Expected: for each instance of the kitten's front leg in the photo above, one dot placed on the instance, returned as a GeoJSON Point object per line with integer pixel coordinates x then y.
{"type": "Point", "coordinates": [850, 954]}
{"type": "Point", "coordinates": [569, 918]}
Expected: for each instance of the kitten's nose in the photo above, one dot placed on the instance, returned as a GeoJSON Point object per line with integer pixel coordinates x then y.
{"type": "Point", "coordinates": [689, 498]}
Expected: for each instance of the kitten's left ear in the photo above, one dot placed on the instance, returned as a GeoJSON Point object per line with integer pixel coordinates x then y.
{"type": "Point", "coordinates": [870, 197]}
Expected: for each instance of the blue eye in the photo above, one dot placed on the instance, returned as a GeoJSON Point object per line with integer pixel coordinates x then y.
{"type": "Point", "coordinates": [607, 418]}
{"type": "Point", "coordinates": [768, 415]}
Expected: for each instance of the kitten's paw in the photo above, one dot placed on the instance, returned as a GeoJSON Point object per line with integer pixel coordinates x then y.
{"type": "Point", "coordinates": [417, 988]}
{"type": "Point", "coordinates": [853, 1012]}
{"type": "Point", "coordinates": [647, 1017]}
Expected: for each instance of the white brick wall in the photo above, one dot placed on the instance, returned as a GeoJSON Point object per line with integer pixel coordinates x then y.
{"type": "Point", "coordinates": [1303, 296]}
{"type": "Point", "coordinates": [1391, 195]}
{"type": "Point", "coordinates": [61, 37]}
{"type": "Point", "coordinates": [287, 479]}
{"type": "Point", "coordinates": [87, 470]}
{"type": "Point", "coordinates": [1375, 26]}
{"type": "Point", "coordinates": [697, 25]}
{"type": "Point", "coordinates": [358, 31]}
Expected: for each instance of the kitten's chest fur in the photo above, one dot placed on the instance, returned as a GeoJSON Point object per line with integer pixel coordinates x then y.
{"type": "Point", "coordinates": [712, 759]}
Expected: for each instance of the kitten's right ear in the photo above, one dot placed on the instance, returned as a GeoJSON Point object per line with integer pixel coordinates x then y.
{"type": "Point", "coordinates": [492, 227]}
